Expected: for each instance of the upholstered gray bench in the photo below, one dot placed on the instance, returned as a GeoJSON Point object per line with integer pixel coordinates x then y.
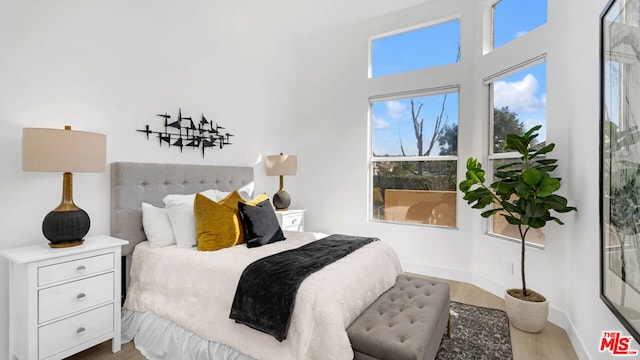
{"type": "Point", "coordinates": [405, 323]}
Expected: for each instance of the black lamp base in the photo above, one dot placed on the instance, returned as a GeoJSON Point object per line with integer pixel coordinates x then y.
{"type": "Point", "coordinates": [66, 228]}
{"type": "Point", "coordinates": [281, 200]}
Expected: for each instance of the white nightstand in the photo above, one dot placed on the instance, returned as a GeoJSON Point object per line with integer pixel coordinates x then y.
{"type": "Point", "coordinates": [62, 301]}
{"type": "Point", "coordinates": [292, 220]}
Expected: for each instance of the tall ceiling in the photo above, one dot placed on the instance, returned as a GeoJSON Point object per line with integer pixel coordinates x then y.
{"type": "Point", "coordinates": [314, 16]}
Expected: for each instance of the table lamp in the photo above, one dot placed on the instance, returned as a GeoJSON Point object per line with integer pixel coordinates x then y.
{"type": "Point", "coordinates": [65, 151]}
{"type": "Point", "coordinates": [281, 165]}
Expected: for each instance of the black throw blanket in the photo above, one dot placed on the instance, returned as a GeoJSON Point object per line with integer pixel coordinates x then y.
{"type": "Point", "coordinates": [267, 289]}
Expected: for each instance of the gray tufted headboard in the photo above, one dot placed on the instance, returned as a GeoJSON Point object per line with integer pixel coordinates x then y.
{"type": "Point", "coordinates": [135, 183]}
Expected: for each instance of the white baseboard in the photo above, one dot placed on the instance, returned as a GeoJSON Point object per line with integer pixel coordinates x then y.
{"type": "Point", "coordinates": [576, 340]}
{"type": "Point", "coordinates": [439, 272]}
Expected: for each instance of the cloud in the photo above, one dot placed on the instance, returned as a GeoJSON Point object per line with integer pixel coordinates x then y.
{"type": "Point", "coordinates": [379, 124]}
{"type": "Point", "coordinates": [519, 34]}
{"type": "Point", "coordinates": [531, 122]}
{"type": "Point", "coordinates": [396, 109]}
{"type": "Point", "coordinates": [519, 96]}
{"type": "Point", "coordinates": [542, 133]}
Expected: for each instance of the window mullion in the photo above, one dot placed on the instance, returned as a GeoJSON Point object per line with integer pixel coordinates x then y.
{"type": "Point", "coordinates": [414, 158]}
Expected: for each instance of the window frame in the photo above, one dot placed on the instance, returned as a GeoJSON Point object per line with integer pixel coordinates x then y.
{"type": "Point", "coordinates": [422, 25]}
{"type": "Point", "coordinates": [488, 15]}
{"type": "Point", "coordinates": [490, 155]}
{"type": "Point", "coordinates": [431, 158]}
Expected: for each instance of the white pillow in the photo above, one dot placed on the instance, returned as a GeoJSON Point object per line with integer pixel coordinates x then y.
{"type": "Point", "coordinates": [182, 218]}
{"type": "Point", "coordinates": [157, 226]}
{"type": "Point", "coordinates": [244, 191]}
{"type": "Point", "coordinates": [221, 194]}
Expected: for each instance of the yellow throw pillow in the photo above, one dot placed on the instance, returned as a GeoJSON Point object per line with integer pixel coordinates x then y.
{"type": "Point", "coordinates": [217, 225]}
{"type": "Point", "coordinates": [233, 198]}
{"type": "Point", "coordinates": [232, 201]}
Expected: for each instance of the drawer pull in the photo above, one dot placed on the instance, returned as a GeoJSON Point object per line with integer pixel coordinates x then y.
{"type": "Point", "coordinates": [294, 221]}
{"type": "Point", "coordinates": [80, 330]}
{"type": "Point", "coordinates": [81, 296]}
{"type": "Point", "coordinates": [81, 268]}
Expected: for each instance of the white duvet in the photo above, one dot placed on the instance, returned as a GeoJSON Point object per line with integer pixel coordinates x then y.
{"type": "Point", "coordinates": [195, 290]}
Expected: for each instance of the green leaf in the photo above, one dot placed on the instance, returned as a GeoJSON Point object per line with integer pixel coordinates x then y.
{"type": "Point", "coordinates": [531, 177]}
{"type": "Point", "coordinates": [545, 161]}
{"type": "Point", "coordinates": [546, 168]}
{"type": "Point", "coordinates": [512, 220]}
{"type": "Point", "coordinates": [516, 165]}
{"type": "Point", "coordinates": [532, 130]}
{"type": "Point", "coordinates": [535, 211]}
{"type": "Point", "coordinates": [516, 143]}
{"type": "Point", "coordinates": [480, 196]}
{"type": "Point", "coordinates": [465, 186]}
{"type": "Point", "coordinates": [504, 189]}
{"type": "Point", "coordinates": [524, 190]}
{"type": "Point", "coordinates": [548, 186]}
{"type": "Point", "coordinates": [510, 207]}
{"type": "Point", "coordinates": [567, 209]}
{"type": "Point", "coordinates": [537, 223]}
{"type": "Point", "coordinates": [483, 202]}
{"type": "Point", "coordinates": [475, 177]}
{"type": "Point", "coordinates": [474, 171]}
{"type": "Point", "coordinates": [488, 213]}
{"type": "Point", "coordinates": [473, 164]}
{"type": "Point", "coordinates": [506, 174]}
{"type": "Point", "coordinates": [475, 195]}
{"type": "Point", "coordinates": [555, 202]}
{"type": "Point", "coordinates": [545, 150]}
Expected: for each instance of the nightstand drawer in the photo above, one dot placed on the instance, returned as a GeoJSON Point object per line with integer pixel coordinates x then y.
{"type": "Point", "coordinates": [73, 269]}
{"type": "Point", "coordinates": [65, 334]}
{"type": "Point", "coordinates": [293, 222]}
{"type": "Point", "coordinates": [65, 299]}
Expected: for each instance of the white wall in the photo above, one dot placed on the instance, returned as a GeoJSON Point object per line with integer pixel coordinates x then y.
{"type": "Point", "coordinates": [333, 89]}
{"type": "Point", "coordinates": [577, 111]}
{"type": "Point", "coordinates": [109, 67]}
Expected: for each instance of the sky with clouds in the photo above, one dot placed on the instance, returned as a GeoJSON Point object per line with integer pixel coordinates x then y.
{"type": "Point", "coordinates": [523, 92]}
{"type": "Point", "coordinates": [393, 122]}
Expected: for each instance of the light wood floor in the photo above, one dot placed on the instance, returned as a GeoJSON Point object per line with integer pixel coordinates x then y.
{"type": "Point", "coordinates": [551, 343]}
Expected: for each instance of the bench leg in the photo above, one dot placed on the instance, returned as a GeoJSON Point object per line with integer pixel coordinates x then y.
{"type": "Point", "coordinates": [449, 326]}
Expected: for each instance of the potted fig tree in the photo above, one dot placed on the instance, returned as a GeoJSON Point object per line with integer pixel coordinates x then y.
{"type": "Point", "coordinates": [524, 194]}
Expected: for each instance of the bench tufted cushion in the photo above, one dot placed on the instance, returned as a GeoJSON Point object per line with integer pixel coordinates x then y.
{"type": "Point", "coordinates": [405, 323]}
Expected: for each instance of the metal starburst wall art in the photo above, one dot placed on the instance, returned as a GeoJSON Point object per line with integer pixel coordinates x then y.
{"type": "Point", "coordinates": [183, 132]}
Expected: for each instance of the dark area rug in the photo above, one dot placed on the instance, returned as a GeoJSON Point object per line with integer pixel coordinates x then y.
{"type": "Point", "coordinates": [476, 333]}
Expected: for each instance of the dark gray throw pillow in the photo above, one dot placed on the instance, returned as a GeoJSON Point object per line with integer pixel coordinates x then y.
{"type": "Point", "coordinates": [260, 224]}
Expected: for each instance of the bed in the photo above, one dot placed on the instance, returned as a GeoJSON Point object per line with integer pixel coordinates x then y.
{"type": "Point", "coordinates": [178, 299]}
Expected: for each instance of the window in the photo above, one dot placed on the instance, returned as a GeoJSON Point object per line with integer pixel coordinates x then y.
{"type": "Point", "coordinates": [517, 103]}
{"type": "Point", "coordinates": [416, 49]}
{"type": "Point", "coordinates": [513, 18]}
{"type": "Point", "coordinates": [414, 148]}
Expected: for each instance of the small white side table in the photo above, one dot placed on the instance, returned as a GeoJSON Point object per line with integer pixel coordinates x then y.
{"type": "Point", "coordinates": [291, 220]}
{"type": "Point", "coordinates": [65, 300]}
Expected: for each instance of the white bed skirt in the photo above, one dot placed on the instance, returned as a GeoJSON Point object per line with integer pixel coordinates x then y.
{"type": "Point", "coordinates": [160, 339]}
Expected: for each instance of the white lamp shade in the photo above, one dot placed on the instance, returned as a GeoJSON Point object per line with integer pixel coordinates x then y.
{"type": "Point", "coordinates": [281, 165]}
{"type": "Point", "coordinates": [58, 150]}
